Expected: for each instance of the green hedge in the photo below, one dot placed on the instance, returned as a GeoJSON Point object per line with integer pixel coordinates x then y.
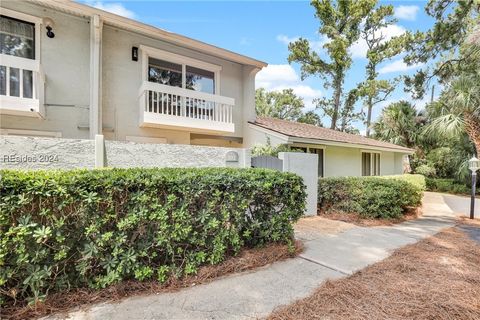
{"type": "Point", "coordinates": [448, 186]}
{"type": "Point", "coordinates": [417, 180]}
{"type": "Point", "coordinates": [370, 197]}
{"type": "Point", "coordinates": [65, 229]}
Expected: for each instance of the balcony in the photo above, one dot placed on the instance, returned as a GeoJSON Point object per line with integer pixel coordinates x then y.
{"type": "Point", "coordinates": [21, 86]}
{"type": "Point", "coordinates": [167, 106]}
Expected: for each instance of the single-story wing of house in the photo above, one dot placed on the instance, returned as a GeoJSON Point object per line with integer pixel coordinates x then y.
{"type": "Point", "coordinates": [339, 153]}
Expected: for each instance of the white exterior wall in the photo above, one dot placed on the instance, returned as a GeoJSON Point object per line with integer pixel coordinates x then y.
{"type": "Point", "coordinates": [66, 63]}
{"type": "Point", "coordinates": [122, 79]}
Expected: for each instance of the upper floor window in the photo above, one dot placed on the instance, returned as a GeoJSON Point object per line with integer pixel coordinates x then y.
{"type": "Point", "coordinates": [178, 71]}
{"type": "Point", "coordinates": [17, 37]}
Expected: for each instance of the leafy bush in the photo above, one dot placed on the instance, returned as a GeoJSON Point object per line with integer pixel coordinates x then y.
{"type": "Point", "coordinates": [65, 229]}
{"type": "Point", "coordinates": [426, 170]}
{"type": "Point", "coordinates": [269, 150]}
{"type": "Point", "coordinates": [370, 197]}
{"type": "Point", "coordinates": [417, 180]}
{"type": "Point", "coordinates": [448, 186]}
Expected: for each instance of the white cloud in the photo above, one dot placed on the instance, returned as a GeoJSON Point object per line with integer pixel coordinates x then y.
{"type": "Point", "coordinates": [277, 77]}
{"type": "Point", "coordinates": [316, 45]}
{"type": "Point", "coordinates": [113, 7]}
{"type": "Point", "coordinates": [406, 12]}
{"type": "Point", "coordinates": [398, 66]}
{"type": "Point", "coordinates": [360, 48]}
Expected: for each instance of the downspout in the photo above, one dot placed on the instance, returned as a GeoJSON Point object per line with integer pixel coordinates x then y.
{"type": "Point", "coordinates": [248, 112]}
{"type": "Point", "coordinates": [96, 27]}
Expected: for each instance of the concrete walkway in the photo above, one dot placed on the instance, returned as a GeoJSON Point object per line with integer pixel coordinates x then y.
{"type": "Point", "coordinates": [333, 250]}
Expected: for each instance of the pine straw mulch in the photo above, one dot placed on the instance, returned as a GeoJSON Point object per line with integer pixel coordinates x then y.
{"type": "Point", "coordinates": [437, 278]}
{"type": "Point", "coordinates": [63, 302]}
{"type": "Point", "coordinates": [356, 219]}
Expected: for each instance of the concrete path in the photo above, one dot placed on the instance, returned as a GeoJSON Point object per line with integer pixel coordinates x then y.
{"type": "Point", "coordinates": [333, 250]}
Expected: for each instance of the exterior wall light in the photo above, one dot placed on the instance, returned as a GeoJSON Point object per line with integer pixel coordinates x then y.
{"type": "Point", "coordinates": [474, 166]}
{"type": "Point", "coordinates": [48, 22]}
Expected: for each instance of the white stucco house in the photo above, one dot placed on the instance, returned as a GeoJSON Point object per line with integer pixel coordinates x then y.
{"type": "Point", "coordinates": [68, 70]}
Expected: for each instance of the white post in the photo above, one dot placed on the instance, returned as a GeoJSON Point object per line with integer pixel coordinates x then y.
{"type": "Point", "coordinates": [96, 26]}
{"type": "Point", "coordinates": [99, 151]}
{"type": "Point", "coordinates": [306, 166]}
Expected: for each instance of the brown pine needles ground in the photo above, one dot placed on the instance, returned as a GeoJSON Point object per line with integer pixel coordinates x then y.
{"type": "Point", "coordinates": [437, 278]}
{"type": "Point", "coordinates": [64, 302]}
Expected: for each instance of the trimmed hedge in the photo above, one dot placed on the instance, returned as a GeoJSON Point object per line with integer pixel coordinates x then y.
{"type": "Point", "coordinates": [417, 180]}
{"type": "Point", "coordinates": [449, 186]}
{"type": "Point", "coordinates": [66, 229]}
{"type": "Point", "coordinates": [370, 197]}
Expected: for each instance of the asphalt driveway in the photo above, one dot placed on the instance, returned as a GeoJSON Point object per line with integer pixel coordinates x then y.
{"type": "Point", "coordinates": [460, 205]}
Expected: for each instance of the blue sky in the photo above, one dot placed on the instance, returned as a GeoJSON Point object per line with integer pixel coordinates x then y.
{"type": "Point", "coordinates": [262, 30]}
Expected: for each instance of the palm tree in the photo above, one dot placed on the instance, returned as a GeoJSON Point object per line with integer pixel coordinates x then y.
{"type": "Point", "coordinates": [399, 123]}
{"type": "Point", "coordinates": [458, 110]}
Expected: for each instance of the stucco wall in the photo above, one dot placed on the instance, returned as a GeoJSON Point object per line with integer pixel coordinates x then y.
{"type": "Point", "coordinates": [66, 62]}
{"type": "Point", "coordinates": [122, 79]}
{"type": "Point", "coordinates": [50, 153]}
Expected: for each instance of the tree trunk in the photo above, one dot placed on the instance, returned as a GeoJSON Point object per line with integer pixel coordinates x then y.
{"type": "Point", "coordinates": [472, 126]}
{"type": "Point", "coordinates": [337, 95]}
{"type": "Point", "coordinates": [369, 116]}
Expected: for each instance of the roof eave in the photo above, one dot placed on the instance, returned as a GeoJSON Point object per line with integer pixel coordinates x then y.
{"type": "Point", "coordinates": [154, 32]}
{"type": "Point", "coordinates": [294, 139]}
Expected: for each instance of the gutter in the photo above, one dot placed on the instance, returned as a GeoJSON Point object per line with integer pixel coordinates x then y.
{"type": "Point", "coordinates": [292, 139]}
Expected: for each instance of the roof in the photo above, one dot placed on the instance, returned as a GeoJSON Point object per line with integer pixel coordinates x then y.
{"type": "Point", "coordinates": [79, 9]}
{"type": "Point", "coordinates": [308, 131]}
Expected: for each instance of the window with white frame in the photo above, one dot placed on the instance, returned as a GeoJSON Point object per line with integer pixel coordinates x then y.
{"type": "Point", "coordinates": [19, 43]}
{"type": "Point", "coordinates": [370, 163]}
{"type": "Point", "coordinates": [174, 70]}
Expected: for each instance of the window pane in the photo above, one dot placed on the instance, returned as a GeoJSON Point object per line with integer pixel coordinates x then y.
{"type": "Point", "coordinates": [27, 84]}
{"type": "Point", "coordinates": [3, 80]}
{"type": "Point", "coordinates": [164, 72]}
{"type": "Point", "coordinates": [17, 38]}
{"type": "Point", "coordinates": [200, 80]}
{"type": "Point", "coordinates": [366, 164]}
{"type": "Point", "coordinates": [14, 82]}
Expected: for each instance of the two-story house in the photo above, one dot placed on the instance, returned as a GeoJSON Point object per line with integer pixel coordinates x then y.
{"type": "Point", "coordinates": [73, 71]}
{"type": "Point", "coordinates": [68, 70]}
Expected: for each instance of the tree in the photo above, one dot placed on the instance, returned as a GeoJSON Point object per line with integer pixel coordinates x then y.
{"type": "Point", "coordinates": [340, 23]}
{"type": "Point", "coordinates": [284, 105]}
{"type": "Point", "coordinates": [278, 104]}
{"type": "Point", "coordinates": [454, 23]}
{"type": "Point", "coordinates": [310, 117]}
{"type": "Point", "coordinates": [458, 110]}
{"type": "Point", "coordinates": [379, 49]}
{"type": "Point", "coordinates": [399, 123]}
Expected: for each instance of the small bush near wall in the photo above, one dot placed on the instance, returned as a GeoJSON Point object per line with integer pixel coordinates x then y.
{"type": "Point", "coordinates": [64, 229]}
{"type": "Point", "coordinates": [370, 197]}
{"type": "Point", "coordinates": [448, 186]}
{"type": "Point", "coordinates": [417, 180]}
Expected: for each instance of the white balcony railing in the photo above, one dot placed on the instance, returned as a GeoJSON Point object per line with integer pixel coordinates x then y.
{"type": "Point", "coordinates": [162, 105]}
{"type": "Point", "coordinates": [21, 86]}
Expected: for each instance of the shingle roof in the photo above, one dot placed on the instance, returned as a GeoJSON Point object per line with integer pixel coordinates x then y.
{"type": "Point", "coordinates": [308, 131]}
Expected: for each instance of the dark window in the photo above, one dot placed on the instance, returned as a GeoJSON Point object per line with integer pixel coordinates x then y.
{"type": "Point", "coordinates": [320, 159]}
{"type": "Point", "coordinates": [164, 72]}
{"type": "Point", "coordinates": [370, 164]}
{"type": "Point", "coordinates": [200, 80]}
{"type": "Point", "coordinates": [17, 38]}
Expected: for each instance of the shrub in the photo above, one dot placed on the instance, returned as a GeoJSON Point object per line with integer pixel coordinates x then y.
{"type": "Point", "coordinates": [64, 229]}
{"type": "Point", "coordinates": [370, 197]}
{"type": "Point", "coordinates": [417, 180]}
{"type": "Point", "coordinates": [426, 170]}
{"type": "Point", "coordinates": [448, 186]}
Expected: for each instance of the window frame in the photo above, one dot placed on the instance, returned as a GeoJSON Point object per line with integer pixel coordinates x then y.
{"type": "Point", "coordinates": [149, 52]}
{"type": "Point", "coordinates": [23, 17]}
{"type": "Point", "coordinates": [313, 146]}
{"type": "Point", "coordinates": [373, 168]}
